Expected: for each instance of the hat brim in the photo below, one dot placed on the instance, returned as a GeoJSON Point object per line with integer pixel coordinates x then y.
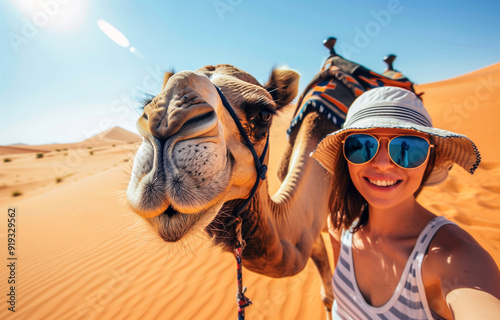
{"type": "Point", "coordinates": [449, 147]}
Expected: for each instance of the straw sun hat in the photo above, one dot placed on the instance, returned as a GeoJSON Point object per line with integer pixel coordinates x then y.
{"type": "Point", "coordinates": [391, 107]}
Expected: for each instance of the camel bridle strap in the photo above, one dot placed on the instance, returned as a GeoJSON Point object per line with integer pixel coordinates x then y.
{"type": "Point", "coordinates": [261, 169]}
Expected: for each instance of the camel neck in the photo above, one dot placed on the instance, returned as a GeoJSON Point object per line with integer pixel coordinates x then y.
{"type": "Point", "coordinates": [291, 220]}
{"type": "Point", "coordinates": [307, 182]}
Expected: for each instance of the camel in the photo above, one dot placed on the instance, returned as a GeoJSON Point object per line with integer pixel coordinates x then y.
{"type": "Point", "coordinates": [193, 168]}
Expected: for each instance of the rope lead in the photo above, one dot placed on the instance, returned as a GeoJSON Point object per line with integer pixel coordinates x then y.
{"type": "Point", "coordinates": [241, 299]}
{"type": "Point", "coordinates": [261, 169]}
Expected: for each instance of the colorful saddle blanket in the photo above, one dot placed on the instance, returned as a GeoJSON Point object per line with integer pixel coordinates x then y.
{"type": "Point", "coordinates": [335, 87]}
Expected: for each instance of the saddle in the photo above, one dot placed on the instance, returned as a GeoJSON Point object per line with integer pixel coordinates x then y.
{"type": "Point", "coordinates": [337, 85]}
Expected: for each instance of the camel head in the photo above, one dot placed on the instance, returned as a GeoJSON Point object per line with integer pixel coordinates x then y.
{"type": "Point", "coordinates": [193, 159]}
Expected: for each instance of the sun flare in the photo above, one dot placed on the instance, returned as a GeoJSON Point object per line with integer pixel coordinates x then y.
{"type": "Point", "coordinates": [113, 33]}
{"type": "Point", "coordinates": [55, 16]}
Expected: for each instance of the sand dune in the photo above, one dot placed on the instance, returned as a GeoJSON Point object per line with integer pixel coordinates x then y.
{"type": "Point", "coordinates": [468, 104]}
{"type": "Point", "coordinates": [114, 135]}
{"type": "Point", "coordinates": [4, 150]}
{"type": "Point", "coordinates": [84, 255]}
{"type": "Point", "coordinates": [37, 168]}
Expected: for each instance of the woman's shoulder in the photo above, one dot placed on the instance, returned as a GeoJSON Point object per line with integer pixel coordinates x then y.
{"type": "Point", "coordinates": [455, 259]}
{"type": "Point", "coordinates": [450, 238]}
{"type": "Point", "coordinates": [453, 247]}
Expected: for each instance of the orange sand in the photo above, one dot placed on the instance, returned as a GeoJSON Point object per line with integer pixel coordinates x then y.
{"type": "Point", "coordinates": [82, 254]}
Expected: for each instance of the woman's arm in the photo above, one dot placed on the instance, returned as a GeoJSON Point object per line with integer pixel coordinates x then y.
{"type": "Point", "coordinates": [466, 303]}
{"type": "Point", "coordinates": [468, 277]}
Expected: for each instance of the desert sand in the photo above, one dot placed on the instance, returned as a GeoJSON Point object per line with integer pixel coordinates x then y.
{"type": "Point", "coordinates": [82, 254]}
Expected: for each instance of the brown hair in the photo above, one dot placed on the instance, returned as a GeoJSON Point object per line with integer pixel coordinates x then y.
{"type": "Point", "coordinates": [347, 204]}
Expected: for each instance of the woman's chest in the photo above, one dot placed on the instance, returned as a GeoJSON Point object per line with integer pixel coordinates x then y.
{"type": "Point", "coordinates": [379, 266]}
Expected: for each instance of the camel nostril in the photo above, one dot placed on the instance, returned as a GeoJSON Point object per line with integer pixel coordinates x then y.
{"type": "Point", "coordinates": [199, 119]}
{"type": "Point", "coordinates": [196, 121]}
{"type": "Point", "coordinates": [182, 111]}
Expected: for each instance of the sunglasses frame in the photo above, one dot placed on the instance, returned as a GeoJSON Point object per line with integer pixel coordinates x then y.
{"type": "Point", "coordinates": [388, 146]}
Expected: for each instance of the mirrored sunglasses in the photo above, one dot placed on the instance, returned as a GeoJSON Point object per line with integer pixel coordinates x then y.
{"type": "Point", "coordinates": [406, 151]}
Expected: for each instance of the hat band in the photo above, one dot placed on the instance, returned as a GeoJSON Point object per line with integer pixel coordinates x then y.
{"type": "Point", "coordinates": [390, 112]}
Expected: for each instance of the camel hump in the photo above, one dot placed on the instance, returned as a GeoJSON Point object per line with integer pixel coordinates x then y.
{"type": "Point", "coordinates": [329, 43]}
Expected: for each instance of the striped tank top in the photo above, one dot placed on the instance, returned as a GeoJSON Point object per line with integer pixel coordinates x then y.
{"type": "Point", "coordinates": [408, 300]}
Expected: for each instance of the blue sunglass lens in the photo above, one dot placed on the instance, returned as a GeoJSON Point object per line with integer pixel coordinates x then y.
{"type": "Point", "coordinates": [408, 151]}
{"type": "Point", "coordinates": [360, 148]}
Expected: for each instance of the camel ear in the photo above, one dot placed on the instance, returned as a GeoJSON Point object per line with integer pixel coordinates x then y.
{"type": "Point", "coordinates": [283, 85]}
{"type": "Point", "coordinates": [167, 76]}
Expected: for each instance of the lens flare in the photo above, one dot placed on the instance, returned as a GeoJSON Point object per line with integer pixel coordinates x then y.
{"type": "Point", "coordinates": [113, 33]}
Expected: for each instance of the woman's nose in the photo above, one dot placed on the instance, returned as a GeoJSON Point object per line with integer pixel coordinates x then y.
{"type": "Point", "coordinates": [382, 160]}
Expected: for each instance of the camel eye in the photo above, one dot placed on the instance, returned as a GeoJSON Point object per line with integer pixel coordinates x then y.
{"type": "Point", "coordinates": [264, 116]}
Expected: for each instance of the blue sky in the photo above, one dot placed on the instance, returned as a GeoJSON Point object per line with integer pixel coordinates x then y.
{"type": "Point", "coordinates": [63, 80]}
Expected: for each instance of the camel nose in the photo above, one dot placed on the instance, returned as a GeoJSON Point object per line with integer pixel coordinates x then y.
{"type": "Point", "coordinates": [185, 108]}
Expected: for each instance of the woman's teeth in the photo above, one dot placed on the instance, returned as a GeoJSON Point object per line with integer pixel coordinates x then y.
{"type": "Point", "coordinates": [383, 183]}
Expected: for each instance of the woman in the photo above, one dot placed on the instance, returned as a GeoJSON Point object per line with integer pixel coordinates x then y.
{"type": "Point", "coordinates": [396, 259]}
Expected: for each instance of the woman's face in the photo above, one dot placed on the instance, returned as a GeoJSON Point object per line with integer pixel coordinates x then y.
{"type": "Point", "coordinates": [382, 183]}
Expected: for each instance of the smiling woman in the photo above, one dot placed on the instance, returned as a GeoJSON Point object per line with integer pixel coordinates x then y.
{"type": "Point", "coordinates": [396, 259]}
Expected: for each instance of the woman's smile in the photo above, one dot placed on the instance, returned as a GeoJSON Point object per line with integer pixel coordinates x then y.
{"type": "Point", "coordinates": [383, 183]}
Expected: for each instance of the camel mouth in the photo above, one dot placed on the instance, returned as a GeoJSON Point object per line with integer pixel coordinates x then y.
{"type": "Point", "coordinates": [170, 212]}
{"type": "Point", "coordinates": [172, 225]}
